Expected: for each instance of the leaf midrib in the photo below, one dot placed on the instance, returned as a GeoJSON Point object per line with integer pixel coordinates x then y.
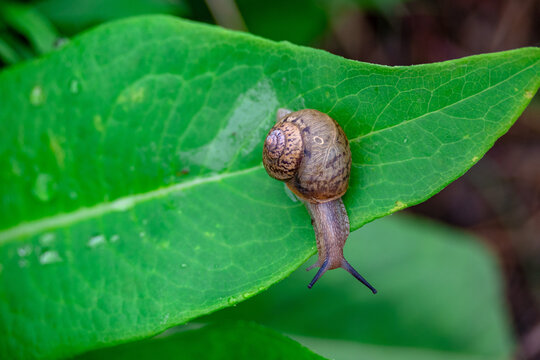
{"type": "Point", "coordinates": [121, 204]}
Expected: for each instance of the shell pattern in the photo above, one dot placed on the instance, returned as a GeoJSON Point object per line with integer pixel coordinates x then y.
{"type": "Point", "coordinates": [309, 151]}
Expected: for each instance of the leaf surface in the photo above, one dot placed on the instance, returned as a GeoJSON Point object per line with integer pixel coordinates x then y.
{"type": "Point", "coordinates": [133, 196]}
{"type": "Point", "coordinates": [230, 340]}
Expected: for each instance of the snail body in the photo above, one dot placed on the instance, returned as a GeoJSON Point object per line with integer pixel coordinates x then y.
{"type": "Point", "coordinates": [309, 151]}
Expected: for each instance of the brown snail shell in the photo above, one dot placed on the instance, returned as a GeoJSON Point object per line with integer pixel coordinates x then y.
{"type": "Point", "coordinates": [309, 151]}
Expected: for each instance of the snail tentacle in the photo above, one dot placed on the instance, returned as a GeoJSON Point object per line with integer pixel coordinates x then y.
{"type": "Point", "coordinates": [320, 273]}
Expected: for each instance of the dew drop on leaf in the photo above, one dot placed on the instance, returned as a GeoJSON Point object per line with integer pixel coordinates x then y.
{"type": "Point", "coordinates": [24, 250]}
{"type": "Point", "coordinates": [46, 239]}
{"type": "Point", "coordinates": [74, 86]}
{"type": "Point", "coordinates": [44, 187]}
{"type": "Point", "coordinates": [49, 257]}
{"type": "Point", "coordinates": [115, 238]}
{"type": "Point", "coordinates": [37, 97]}
{"type": "Point", "coordinates": [96, 240]}
{"type": "Point", "coordinates": [60, 42]}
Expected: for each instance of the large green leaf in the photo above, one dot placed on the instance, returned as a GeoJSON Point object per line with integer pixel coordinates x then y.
{"type": "Point", "coordinates": [439, 295]}
{"type": "Point", "coordinates": [231, 340]}
{"type": "Point", "coordinates": [133, 196]}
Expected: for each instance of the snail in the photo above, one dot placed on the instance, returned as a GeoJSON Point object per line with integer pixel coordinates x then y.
{"type": "Point", "coordinates": [309, 151]}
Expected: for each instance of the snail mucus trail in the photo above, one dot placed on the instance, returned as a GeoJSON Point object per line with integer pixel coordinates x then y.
{"type": "Point", "coordinates": [309, 151]}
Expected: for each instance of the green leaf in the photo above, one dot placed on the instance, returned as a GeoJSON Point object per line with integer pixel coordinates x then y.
{"type": "Point", "coordinates": [133, 195]}
{"type": "Point", "coordinates": [18, 50]}
{"type": "Point", "coordinates": [230, 340]}
{"type": "Point", "coordinates": [7, 54]}
{"type": "Point", "coordinates": [30, 23]}
{"type": "Point", "coordinates": [439, 291]}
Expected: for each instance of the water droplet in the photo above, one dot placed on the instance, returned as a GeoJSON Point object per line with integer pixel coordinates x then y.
{"type": "Point", "coordinates": [115, 238]}
{"type": "Point", "coordinates": [96, 240]}
{"type": "Point", "coordinates": [142, 234]}
{"type": "Point", "coordinates": [60, 42]}
{"type": "Point", "coordinates": [74, 86]}
{"type": "Point", "coordinates": [46, 239]}
{"type": "Point", "coordinates": [184, 266]}
{"type": "Point", "coordinates": [44, 187]}
{"type": "Point", "coordinates": [37, 97]}
{"type": "Point", "coordinates": [24, 250]}
{"type": "Point", "coordinates": [405, 140]}
{"type": "Point", "coordinates": [49, 257]}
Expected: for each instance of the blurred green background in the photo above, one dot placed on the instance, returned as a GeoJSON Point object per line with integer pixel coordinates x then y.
{"type": "Point", "coordinates": [498, 200]}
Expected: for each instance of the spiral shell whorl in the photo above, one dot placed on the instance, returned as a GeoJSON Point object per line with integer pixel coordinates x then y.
{"type": "Point", "coordinates": [283, 151]}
